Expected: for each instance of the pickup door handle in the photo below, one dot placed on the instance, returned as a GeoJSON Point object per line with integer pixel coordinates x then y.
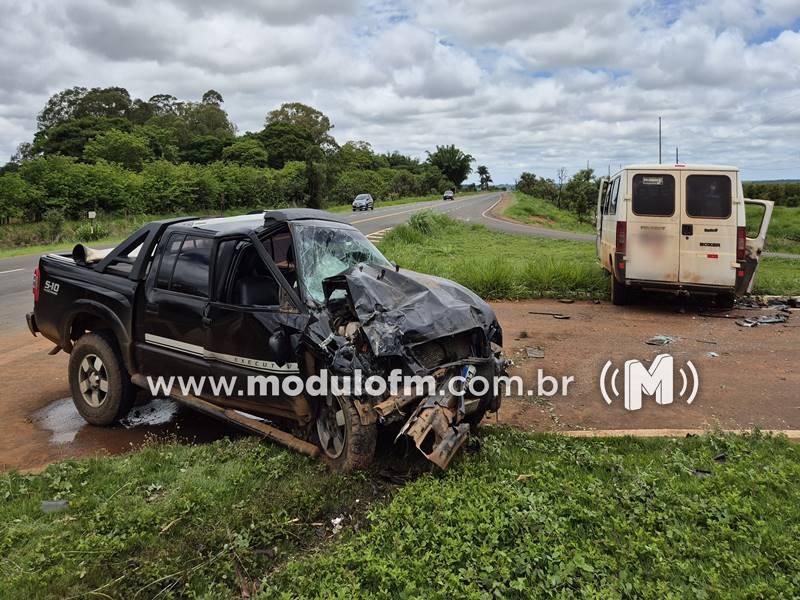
{"type": "Point", "coordinates": [207, 316]}
{"type": "Point", "coordinates": [687, 229]}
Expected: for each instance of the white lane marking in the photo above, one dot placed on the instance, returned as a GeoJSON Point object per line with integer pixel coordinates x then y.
{"type": "Point", "coordinates": [377, 236]}
{"type": "Point", "coordinates": [485, 216]}
{"type": "Point", "coordinates": [10, 271]}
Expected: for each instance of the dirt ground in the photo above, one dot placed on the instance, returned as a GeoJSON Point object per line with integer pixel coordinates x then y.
{"type": "Point", "coordinates": [752, 382]}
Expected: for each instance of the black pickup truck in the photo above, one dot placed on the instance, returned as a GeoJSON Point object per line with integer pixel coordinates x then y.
{"type": "Point", "coordinates": [272, 295]}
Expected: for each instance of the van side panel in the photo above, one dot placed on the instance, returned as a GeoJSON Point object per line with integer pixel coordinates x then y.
{"type": "Point", "coordinates": [708, 228]}
{"type": "Point", "coordinates": [653, 234]}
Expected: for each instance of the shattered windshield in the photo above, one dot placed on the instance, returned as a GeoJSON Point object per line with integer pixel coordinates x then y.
{"type": "Point", "coordinates": [324, 251]}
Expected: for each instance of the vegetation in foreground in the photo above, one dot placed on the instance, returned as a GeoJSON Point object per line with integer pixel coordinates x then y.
{"type": "Point", "coordinates": [522, 515]}
{"type": "Point", "coordinates": [783, 234]}
{"type": "Point", "coordinates": [541, 213]}
{"type": "Point", "coordinates": [504, 266]}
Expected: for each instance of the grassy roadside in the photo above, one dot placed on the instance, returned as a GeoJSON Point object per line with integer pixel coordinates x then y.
{"type": "Point", "coordinates": [783, 234]}
{"type": "Point", "coordinates": [120, 227]}
{"type": "Point", "coordinates": [495, 265]}
{"type": "Point", "coordinates": [541, 213]}
{"type": "Point", "coordinates": [504, 266]}
{"type": "Point", "coordinates": [526, 515]}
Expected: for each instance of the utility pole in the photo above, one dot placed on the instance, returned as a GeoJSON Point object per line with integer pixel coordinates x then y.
{"type": "Point", "coordinates": [659, 140]}
{"type": "Point", "coordinates": [676, 156]}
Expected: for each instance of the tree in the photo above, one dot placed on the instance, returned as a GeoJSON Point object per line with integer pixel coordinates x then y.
{"type": "Point", "coordinates": [14, 193]}
{"type": "Point", "coordinates": [60, 107]}
{"type": "Point", "coordinates": [212, 97]}
{"type": "Point", "coordinates": [128, 150]}
{"type": "Point", "coordinates": [286, 142]}
{"type": "Point", "coordinates": [305, 118]}
{"type": "Point", "coordinates": [452, 162]}
{"type": "Point", "coordinates": [486, 179]}
{"type": "Point", "coordinates": [246, 152]}
{"type": "Point", "coordinates": [70, 137]}
{"type": "Point", "coordinates": [359, 155]}
{"type": "Point", "coordinates": [581, 192]}
{"type": "Point", "coordinates": [562, 177]}
{"type": "Point", "coordinates": [203, 149]}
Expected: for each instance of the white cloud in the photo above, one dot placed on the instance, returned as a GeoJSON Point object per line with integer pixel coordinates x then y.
{"type": "Point", "coordinates": [519, 85]}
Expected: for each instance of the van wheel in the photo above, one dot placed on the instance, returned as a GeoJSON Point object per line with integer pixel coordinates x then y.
{"type": "Point", "coordinates": [345, 442]}
{"type": "Point", "coordinates": [619, 292]}
{"type": "Point", "coordinates": [101, 386]}
{"type": "Point", "coordinates": [726, 300]}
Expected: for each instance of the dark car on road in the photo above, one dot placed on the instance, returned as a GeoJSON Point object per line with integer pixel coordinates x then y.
{"type": "Point", "coordinates": [279, 293]}
{"type": "Point", "coordinates": [363, 202]}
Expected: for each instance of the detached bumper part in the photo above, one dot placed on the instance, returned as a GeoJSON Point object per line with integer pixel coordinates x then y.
{"type": "Point", "coordinates": [435, 431]}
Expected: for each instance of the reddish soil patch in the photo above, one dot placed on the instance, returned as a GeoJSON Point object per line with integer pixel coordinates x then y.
{"type": "Point", "coordinates": [753, 382]}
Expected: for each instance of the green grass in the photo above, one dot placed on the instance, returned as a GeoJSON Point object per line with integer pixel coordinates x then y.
{"type": "Point", "coordinates": [523, 515]}
{"type": "Point", "coordinates": [783, 234]}
{"type": "Point", "coordinates": [495, 265]}
{"type": "Point", "coordinates": [543, 516]}
{"type": "Point", "coordinates": [541, 213]}
{"type": "Point", "coordinates": [18, 239]}
{"type": "Point", "coordinates": [503, 266]}
{"type": "Point", "coordinates": [169, 519]}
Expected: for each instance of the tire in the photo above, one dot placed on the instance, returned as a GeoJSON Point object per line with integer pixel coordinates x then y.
{"type": "Point", "coordinates": [619, 292]}
{"type": "Point", "coordinates": [726, 300]}
{"type": "Point", "coordinates": [88, 377]}
{"type": "Point", "coordinates": [356, 449]}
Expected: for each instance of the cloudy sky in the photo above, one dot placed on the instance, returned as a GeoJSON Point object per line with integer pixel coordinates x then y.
{"type": "Point", "coordinates": [520, 84]}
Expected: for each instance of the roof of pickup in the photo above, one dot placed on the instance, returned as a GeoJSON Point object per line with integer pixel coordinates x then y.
{"type": "Point", "coordinates": [252, 221]}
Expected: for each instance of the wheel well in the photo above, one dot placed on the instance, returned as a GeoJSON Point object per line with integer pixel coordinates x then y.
{"type": "Point", "coordinates": [88, 322]}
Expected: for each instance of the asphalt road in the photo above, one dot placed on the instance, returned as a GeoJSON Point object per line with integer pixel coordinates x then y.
{"type": "Point", "coordinates": [16, 273]}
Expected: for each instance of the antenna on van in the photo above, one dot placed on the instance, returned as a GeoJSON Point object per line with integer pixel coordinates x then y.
{"type": "Point", "coordinates": [659, 140]}
{"type": "Point", "coordinates": [677, 162]}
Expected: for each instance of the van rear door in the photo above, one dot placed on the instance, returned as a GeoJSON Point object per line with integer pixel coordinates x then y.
{"type": "Point", "coordinates": [653, 226]}
{"type": "Point", "coordinates": [708, 228]}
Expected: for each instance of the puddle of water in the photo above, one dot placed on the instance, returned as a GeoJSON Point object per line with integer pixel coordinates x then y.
{"type": "Point", "coordinates": [61, 419]}
{"type": "Point", "coordinates": [158, 411]}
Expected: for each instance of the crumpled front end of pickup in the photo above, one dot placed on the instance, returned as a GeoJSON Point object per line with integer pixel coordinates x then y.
{"type": "Point", "coordinates": [436, 431]}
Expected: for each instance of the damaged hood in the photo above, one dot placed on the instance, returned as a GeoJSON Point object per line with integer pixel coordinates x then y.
{"type": "Point", "coordinates": [401, 307]}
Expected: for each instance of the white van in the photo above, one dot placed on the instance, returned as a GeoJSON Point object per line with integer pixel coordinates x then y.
{"type": "Point", "coordinates": [678, 228]}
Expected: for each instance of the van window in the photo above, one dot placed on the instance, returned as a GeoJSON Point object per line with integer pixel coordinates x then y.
{"type": "Point", "coordinates": [653, 195]}
{"type": "Point", "coordinates": [708, 196]}
{"type": "Point", "coordinates": [614, 196]}
{"type": "Point", "coordinates": [190, 275]}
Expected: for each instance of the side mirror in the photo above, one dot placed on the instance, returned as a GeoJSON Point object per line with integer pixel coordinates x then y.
{"type": "Point", "coordinates": [395, 265]}
{"type": "Point", "coordinates": [278, 345]}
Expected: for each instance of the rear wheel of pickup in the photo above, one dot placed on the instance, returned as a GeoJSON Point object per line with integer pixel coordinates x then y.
{"type": "Point", "coordinates": [101, 387]}
{"type": "Point", "coordinates": [346, 443]}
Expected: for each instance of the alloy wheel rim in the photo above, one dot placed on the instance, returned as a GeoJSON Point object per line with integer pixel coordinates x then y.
{"type": "Point", "coordinates": [331, 427]}
{"type": "Point", "coordinates": [93, 380]}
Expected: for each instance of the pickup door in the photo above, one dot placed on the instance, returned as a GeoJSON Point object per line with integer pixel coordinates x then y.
{"type": "Point", "coordinates": [250, 321]}
{"type": "Point", "coordinates": [171, 333]}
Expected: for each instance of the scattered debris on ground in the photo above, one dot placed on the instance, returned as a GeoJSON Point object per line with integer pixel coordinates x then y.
{"type": "Point", "coordinates": [52, 506]}
{"type": "Point", "coordinates": [762, 320]}
{"type": "Point", "coordinates": [712, 354]}
{"type": "Point", "coordinates": [156, 412]}
{"type": "Point", "coordinates": [661, 340]}
{"type": "Point", "coordinates": [534, 352]}
{"type": "Point", "coordinates": [555, 315]}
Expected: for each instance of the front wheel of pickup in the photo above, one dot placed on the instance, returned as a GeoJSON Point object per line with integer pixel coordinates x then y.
{"type": "Point", "coordinates": [345, 442]}
{"type": "Point", "coordinates": [101, 387]}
